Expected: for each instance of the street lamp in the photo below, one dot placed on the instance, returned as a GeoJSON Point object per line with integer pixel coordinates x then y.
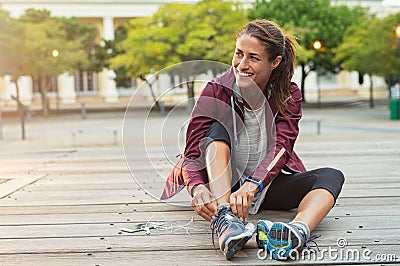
{"type": "Point", "coordinates": [397, 31]}
{"type": "Point", "coordinates": [55, 53]}
{"type": "Point", "coordinates": [317, 46]}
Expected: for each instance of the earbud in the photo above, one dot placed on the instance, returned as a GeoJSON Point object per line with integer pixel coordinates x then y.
{"type": "Point", "coordinates": [147, 229]}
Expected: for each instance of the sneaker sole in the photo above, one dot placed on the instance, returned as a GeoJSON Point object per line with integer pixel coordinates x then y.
{"type": "Point", "coordinates": [263, 227]}
{"type": "Point", "coordinates": [280, 248]}
{"type": "Point", "coordinates": [236, 243]}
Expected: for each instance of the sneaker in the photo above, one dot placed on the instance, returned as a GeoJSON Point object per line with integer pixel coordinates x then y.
{"type": "Point", "coordinates": [263, 227]}
{"type": "Point", "coordinates": [232, 232]}
{"type": "Point", "coordinates": [285, 241]}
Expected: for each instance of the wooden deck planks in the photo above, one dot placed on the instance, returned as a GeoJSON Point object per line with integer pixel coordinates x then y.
{"type": "Point", "coordinates": [176, 257]}
{"type": "Point", "coordinates": [73, 215]}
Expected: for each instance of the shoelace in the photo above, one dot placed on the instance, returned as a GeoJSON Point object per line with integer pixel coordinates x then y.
{"type": "Point", "coordinates": [309, 239]}
{"type": "Point", "coordinates": [312, 239]}
{"type": "Point", "coordinates": [219, 224]}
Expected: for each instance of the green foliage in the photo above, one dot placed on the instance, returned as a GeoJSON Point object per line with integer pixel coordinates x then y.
{"type": "Point", "coordinates": [372, 47]}
{"type": "Point", "coordinates": [359, 51]}
{"type": "Point", "coordinates": [178, 33]}
{"type": "Point", "coordinates": [86, 35]}
{"type": "Point", "coordinates": [311, 20]}
{"type": "Point", "coordinates": [12, 56]}
{"type": "Point", "coordinates": [27, 45]}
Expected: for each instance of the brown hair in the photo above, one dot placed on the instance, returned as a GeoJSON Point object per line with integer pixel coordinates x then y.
{"type": "Point", "coordinates": [276, 44]}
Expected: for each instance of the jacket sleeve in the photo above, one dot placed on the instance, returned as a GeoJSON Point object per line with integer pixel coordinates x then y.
{"type": "Point", "coordinates": [203, 115]}
{"type": "Point", "coordinates": [286, 132]}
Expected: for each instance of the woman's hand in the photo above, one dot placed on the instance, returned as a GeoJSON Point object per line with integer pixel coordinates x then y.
{"type": "Point", "coordinates": [204, 203]}
{"type": "Point", "coordinates": [241, 199]}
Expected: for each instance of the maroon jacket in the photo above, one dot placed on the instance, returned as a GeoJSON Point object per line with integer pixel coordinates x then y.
{"type": "Point", "coordinates": [218, 101]}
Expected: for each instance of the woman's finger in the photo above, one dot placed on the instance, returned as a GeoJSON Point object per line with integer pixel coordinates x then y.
{"type": "Point", "coordinates": [245, 209]}
{"type": "Point", "coordinates": [202, 210]}
{"type": "Point", "coordinates": [233, 204]}
{"type": "Point", "coordinates": [240, 205]}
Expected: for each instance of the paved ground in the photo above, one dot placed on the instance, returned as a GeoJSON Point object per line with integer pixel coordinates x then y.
{"type": "Point", "coordinates": [341, 121]}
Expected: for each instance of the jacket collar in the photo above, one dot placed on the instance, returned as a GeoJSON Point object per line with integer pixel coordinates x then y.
{"type": "Point", "coordinates": [228, 82]}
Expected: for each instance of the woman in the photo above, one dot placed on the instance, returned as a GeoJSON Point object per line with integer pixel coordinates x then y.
{"type": "Point", "coordinates": [239, 155]}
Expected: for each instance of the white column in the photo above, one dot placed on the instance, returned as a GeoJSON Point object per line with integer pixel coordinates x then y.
{"type": "Point", "coordinates": [66, 88]}
{"type": "Point", "coordinates": [2, 88]}
{"type": "Point", "coordinates": [107, 86]}
{"type": "Point", "coordinates": [108, 28]}
{"type": "Point", "coordinates": [9, 88]}
{"type": "Point", "coordinates": [311, 84]}
{"type": "Point", "coordinates": [25, 89]}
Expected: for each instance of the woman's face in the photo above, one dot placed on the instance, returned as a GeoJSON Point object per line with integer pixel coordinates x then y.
{"type": "Point", "coordinates": [250, 61]}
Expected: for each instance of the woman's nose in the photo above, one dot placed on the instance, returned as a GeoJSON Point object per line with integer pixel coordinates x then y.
{"type": "Point", "coordinates": [242, 63]}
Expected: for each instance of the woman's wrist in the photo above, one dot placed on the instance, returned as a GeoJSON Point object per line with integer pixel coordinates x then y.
{"type": "Point", "coordinates": [255, 182]}
{"type": "Point", "coordinates": [194, 188]}
{"type": "Point", "coordinates": [251, 187]}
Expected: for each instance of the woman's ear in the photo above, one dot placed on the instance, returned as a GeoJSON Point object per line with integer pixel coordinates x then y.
{"type": "Point", "coordinates": [276, 62]}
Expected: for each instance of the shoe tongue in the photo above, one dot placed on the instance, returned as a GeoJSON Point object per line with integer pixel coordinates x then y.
{"type": "Point", "coordinates": [224, 206]}
{"type": "Point", "coordinates": [229, 217]}
{"type": "Point", "coordinates": [303, 228]}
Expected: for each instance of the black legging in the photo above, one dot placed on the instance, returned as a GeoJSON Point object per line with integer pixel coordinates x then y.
{"type": "Point", "coordinates": [286, 190]}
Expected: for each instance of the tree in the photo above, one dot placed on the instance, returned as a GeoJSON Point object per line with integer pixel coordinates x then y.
{"type": "Point", "coordinates": [390, 40]}
{"type": "Point", "coordinates": [311, 20]}
{"type": "Point", "coordinates": [85, 34]}
{"type": "Point", "coordinates": [43, 35]}
{"type": "Point", "coordinates": [13, 56]}
{"type": "Point", "coordinates": [38, 45]}
{"type": "Point", "coordinates": [372, 48]}
{"type": "Point", "coordinates": [178, 33]}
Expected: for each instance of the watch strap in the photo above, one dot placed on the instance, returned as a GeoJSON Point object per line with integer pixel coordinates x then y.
{"type": "Point", "coordinates": [254, 181]}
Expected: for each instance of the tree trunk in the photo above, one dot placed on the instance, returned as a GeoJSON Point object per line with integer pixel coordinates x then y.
{"type": "Point", "coordinates": [17, 91]}
{"type": "Point", "coordinates": [43, 95]}
{"type": "Point", "coordinates": [371, 92]}
{"type": "Point", "coordinates": [151, 90]}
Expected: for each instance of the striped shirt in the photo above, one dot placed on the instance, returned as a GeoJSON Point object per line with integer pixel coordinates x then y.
{"type": "Point", "coordinates": [252, 142]}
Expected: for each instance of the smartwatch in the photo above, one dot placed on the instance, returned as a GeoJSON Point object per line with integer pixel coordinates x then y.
{"type": "Point", "coordinates": [259, 183]}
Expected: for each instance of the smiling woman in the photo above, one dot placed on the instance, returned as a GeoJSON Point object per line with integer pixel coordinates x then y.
{"type": "Point", "coordinates": [239, 155]}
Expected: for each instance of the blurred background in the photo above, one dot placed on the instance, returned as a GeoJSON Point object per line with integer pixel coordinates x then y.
{"type": "Point", "coordinates": [62, 55]}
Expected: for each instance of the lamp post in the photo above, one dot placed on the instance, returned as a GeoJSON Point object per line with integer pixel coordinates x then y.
{"type": "Point", "coordinates": [317, 45]}
{"type": "Point", "coordinates": [55, 54]}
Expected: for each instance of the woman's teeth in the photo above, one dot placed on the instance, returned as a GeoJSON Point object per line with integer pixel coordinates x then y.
{"type": "Point", "coordinates": [243, 74]}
